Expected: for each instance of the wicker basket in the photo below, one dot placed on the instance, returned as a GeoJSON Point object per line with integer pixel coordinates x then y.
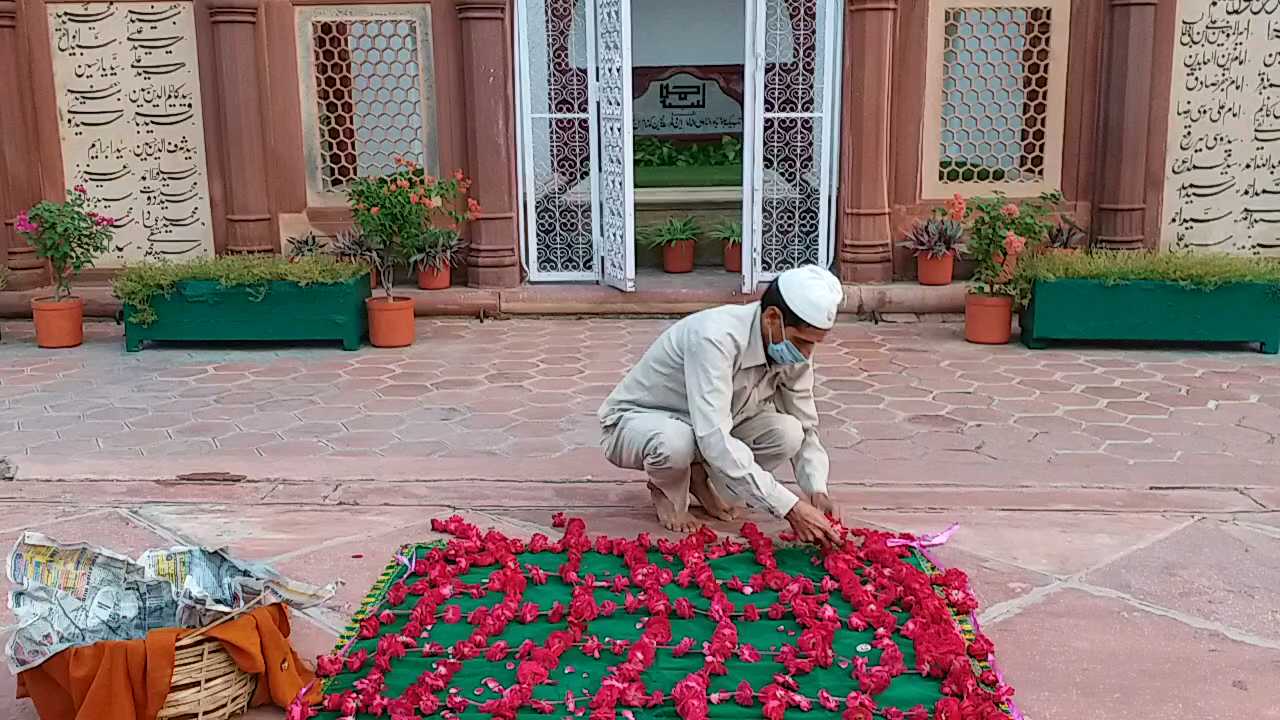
{"type": "Point", "coordinates": [206, 684]}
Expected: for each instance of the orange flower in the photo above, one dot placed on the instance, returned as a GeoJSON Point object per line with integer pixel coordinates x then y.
{"type": "Point", "coordinates": [374, 211]}
{"type": "Point", "coordinates": [399, 160]}
{"type": "Point", "coordinates": [457, 175]}
{"type": "Point", "coordinates": [472, 206]}
{"type": "Point", "coordinates": [956, 207]}
{"type": "Point", "coordinates": [1010, 210]}
{"type": "Point", "coordinates": [403, 183]}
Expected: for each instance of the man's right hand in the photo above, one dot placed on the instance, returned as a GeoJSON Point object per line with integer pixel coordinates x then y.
{"type": "Point", "coordinates": [810, 525]}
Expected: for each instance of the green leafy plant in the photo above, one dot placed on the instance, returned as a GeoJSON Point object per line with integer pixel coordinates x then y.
{"type": "Point", "coordinates": [435, 249]}
{"type": "Point", "coordinates": [396, 212]}
{"type": "Point", "coordinates": [672, 231]}
{"type": "Point", "coordinates": [998, 232]}
{"type": "Point", "coordinates": [351, 245]}
{"type": "Point", "coordinates": [136, 285]}
{"type": "Point", "coordinates": [934, 237]}
{"type": "Point", "coordinates": [729, 231]}
{"type": "Point", "coordinates": [655, 152]}
{"type": "Point", "coordinates": [306, 245]}
{"type": "Point", "coordinates": [70, 235]}
{"type": "Point", "coordinates": [1066, 235]}
{"type": "Point", "coordinates": [1204, 271]}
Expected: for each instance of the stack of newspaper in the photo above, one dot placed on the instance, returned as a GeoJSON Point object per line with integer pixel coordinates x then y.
{"type": "Point", "coordinates": [68, 595]}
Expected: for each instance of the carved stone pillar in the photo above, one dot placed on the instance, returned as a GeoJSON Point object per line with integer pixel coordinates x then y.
{"type": "Point", "coordinates": [865, 238]}
{"type": "Point", "coordinates": [235, 52]}
{"type": "Point", "coordinates": [493, 259]}
{"type": "Point", "coordinates": [1119, 220]}
{"type": "Point", "coordinates": [19, 171]}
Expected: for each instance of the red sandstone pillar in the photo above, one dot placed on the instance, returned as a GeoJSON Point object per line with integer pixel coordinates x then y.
{"type": "Point", "coordinates": [19, 168]}
{"type": "Point", "coordinates": [1119, 220]}
{"type": "Point", "coordinates": [865, 238]}
{"type": "Point", "coordinates": [493, 259]}
{"type": "Point", "coordinates": [235, 52]}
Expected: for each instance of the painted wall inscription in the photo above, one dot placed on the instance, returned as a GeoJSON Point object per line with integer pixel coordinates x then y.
{"type": "Point", "coordinates": [1222, 179]}
{"type": "Point", "coordinates": [686, 105]}
{"type": "Point", "coordinates": [130, 123]}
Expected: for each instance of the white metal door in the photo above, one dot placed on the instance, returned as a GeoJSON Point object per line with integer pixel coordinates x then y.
{"type": "Point", "coordinates": [793, 72]}
{"type": "Point", "coordinates": [557, 139]}
{"type": "Point", "coordinates": [615, 232]}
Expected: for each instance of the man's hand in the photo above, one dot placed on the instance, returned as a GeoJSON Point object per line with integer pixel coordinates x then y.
{"type": "Point", "coordinates": [823, 502]}
{"type": "Point", "coordinates": [810, 525]}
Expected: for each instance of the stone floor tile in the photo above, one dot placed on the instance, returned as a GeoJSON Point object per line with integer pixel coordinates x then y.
{"type": "Point", "coordinates": [1214, 570]}
{"type": "Point", "coordinates": [1074, 654]}
{"type": "Point", "coordinates": [1051, 543]}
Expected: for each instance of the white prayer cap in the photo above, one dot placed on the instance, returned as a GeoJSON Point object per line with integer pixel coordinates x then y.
{"type": "Point", "coordinates": [812, 293]}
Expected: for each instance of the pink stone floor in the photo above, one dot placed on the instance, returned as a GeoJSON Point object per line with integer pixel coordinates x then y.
{"type": "Point", "coordinates": [1119, 509]}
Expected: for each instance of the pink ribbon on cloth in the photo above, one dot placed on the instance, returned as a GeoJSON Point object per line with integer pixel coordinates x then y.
{"type": "Point", "coordinates": [927, 540]}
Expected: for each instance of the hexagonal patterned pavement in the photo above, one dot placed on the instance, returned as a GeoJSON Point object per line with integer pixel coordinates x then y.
{"type": "Point", "coordinates": [530, 388]}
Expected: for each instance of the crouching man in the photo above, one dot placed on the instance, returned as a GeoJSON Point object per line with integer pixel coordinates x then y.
{"type": "Point", "coordinates": [725, 396]}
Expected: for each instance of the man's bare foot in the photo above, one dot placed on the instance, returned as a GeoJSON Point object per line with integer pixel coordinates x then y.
{"type": "Point", "coordinates": [671, 519]}
{"type": "Point", "coordinates": [710, 499]}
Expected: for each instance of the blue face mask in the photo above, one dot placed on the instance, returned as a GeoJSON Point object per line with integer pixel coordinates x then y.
{"type": "Point", "coordinates": [785, 352]}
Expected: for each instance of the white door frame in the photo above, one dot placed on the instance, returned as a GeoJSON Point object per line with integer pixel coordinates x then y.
{"type": "Point", "coordinates": [613, 170]}
{"type": "Point", "coordinates": [826, 114]}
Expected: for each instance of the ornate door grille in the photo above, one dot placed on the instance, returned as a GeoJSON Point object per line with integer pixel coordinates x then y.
{"type": "Point", "coordinates": [792, 61]}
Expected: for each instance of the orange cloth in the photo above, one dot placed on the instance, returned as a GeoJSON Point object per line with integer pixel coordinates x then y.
{"type": "Point", "coordinates": [129, 679]}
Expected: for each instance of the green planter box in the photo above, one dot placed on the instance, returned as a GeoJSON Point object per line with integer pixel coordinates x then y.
{"type": "Point", "coordinates": [1152, 311]}
{"type": "Point", "coordinates": [203, 310]}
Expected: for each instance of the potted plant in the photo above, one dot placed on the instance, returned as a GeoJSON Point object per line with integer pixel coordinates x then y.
{"type": "Point", "coordinates": [934, 242]}
{"type": "Point", "coordinates": [304, 245]}
{"type": "Point", "coordinates": [1065, 237]}
{"type": "Point", "coordinates": [729, 232]}
{"type": "Point", "coordinates": [677, 237]}
{"type": "Point", "coordinates": [352, 246]}
{"type": "Point", "coordinates": [434, 254]}
{"type": "Point", "coordinates": [69, 235]}
{"type": "Point", "coordinates": [998, 231]}
{"type": "Point", "coordinates": [243, 297]}
{"type": "Point", "coordinates": [394, 212]}
{"type": "Point", "coordinates": [1188, 297]}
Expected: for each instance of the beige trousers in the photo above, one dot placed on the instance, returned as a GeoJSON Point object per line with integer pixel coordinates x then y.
{"type": "Point", "coordinates": [665, 448]}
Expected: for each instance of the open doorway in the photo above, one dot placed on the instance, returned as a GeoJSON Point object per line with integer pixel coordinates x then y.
{"type": "Point", "coordinates": [638, 112]}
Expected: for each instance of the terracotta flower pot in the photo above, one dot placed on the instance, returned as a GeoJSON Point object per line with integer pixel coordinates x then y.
{"type": "Point", "coordinates": [390, 321]}
{"type": "Point", "coordinates": [435, 278]}
{"type": "Point", "coordinates": [732, 257]}
{"type": "Point", "coordinates": [935, 270]}
{"type": "Point", "coordinates": [677, 257]}
{"type": "Point", "coordinates": [58, 324]}
{"type": "Point", "coordinates": [988, 319]}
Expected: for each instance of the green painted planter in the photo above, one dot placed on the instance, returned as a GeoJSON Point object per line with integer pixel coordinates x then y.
{"type": "Point", "coordinates": [204, 311]}
{"type": "Point", "coordinates": [1151, 311]}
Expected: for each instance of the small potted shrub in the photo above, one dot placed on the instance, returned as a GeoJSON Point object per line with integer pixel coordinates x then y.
{"type": "Point", "coordinates": [729, 233]}
{"type": "Point", "coordinates": [998, 231]}
{"type": "Point", "coordinates": [303, 246]}
{"type": "Point", "coordinates": [69, 235]}
{"type": "Point", "coordinates": [677, 237]}
{"type": "Point", "coordinates": [1065, 237]}
{"type": "Point", "coordinates": [394, 212]}
{"type": "Point", "coordinates": [934, 242]}
{"type": "Point", "coordinates": [434, 254]}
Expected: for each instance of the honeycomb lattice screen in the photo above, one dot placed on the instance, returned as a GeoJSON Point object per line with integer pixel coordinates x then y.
{"type": "Point", "coordinates": [995, 89]}
{"type": "Point", "coordinates": [367, 92]}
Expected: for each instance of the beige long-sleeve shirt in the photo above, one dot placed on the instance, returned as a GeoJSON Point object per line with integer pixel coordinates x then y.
{"type": "Point", "coordinates": [709, 370]}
